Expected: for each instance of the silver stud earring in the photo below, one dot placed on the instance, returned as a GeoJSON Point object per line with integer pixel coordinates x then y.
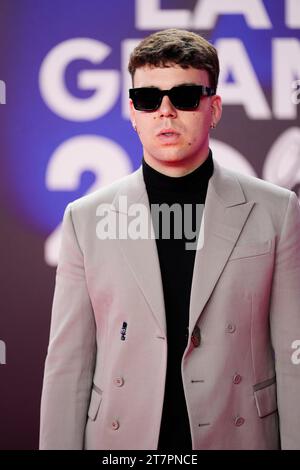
{"type": "Point", "coordinates": [213, 125]}
{"type": "Point", "coordinates": [134, 127]}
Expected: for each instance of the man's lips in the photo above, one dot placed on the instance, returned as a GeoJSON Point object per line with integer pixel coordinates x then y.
{"type": "Point", "coordinates": [168, 136]}
{"type": "Point", "coordinates": [168, 133]}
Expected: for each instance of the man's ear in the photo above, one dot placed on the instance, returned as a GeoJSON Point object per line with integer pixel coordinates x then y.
{"type": "Point", "coordinates": [216, 107]}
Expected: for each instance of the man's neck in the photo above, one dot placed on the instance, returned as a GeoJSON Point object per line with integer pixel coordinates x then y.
{"type": "Point", "coordinates": [175, 168]}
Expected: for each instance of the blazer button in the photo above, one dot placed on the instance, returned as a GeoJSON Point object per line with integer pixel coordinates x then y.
{"type": "Point", "coordinates": [239, 421]}
{"type": "Point", "coordinates": [196, 337]}
{"type": "Point", "coordinates": [119, 381]}
{"type": "Point", "coordinates": [237, 379]}
{"type": "Point", "coordinates": [115, 425]}
{"type": "Point", "coordinates": [231, 328]}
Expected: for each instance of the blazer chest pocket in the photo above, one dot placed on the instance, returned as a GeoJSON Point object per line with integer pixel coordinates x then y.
{"type": "Point", "coordinates": [95, 402]}
{"type": "Point", "coordinates": [251, 250]}
{"type": "Point", "coordinates": [265, 397]}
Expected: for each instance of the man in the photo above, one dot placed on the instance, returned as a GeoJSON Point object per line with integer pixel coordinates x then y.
{"type": "Point", "coordinates": [157, 345]}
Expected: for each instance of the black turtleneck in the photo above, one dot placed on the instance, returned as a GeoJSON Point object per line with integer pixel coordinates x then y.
{"type": "Point", "coordinates": [176, 266]}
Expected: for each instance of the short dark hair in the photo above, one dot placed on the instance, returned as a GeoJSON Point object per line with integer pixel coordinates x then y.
{"type": "Point", "coordinates": [176, 46]}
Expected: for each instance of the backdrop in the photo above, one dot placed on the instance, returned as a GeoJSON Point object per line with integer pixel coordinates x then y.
{"type": "Point", "coordinates": [64, 131]}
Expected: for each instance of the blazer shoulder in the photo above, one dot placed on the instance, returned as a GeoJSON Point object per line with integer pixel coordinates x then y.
{"type": "Point", "coordinates": [259, 190]}
{"type": "Point", "coordinates": [106, 194]}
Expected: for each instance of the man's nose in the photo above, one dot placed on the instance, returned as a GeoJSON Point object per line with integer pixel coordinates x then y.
{"type": "Point", "coordinates": [167, 108]}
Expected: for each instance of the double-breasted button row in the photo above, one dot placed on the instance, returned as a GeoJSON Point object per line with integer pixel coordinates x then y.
{"type": "Point", "coordinates": [118, 382]}
{"type": "Point", "coordinates": [196, 335]}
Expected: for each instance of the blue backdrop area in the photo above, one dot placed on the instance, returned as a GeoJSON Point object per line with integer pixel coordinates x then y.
{"type": "Point", "coordinates": [64, 131]}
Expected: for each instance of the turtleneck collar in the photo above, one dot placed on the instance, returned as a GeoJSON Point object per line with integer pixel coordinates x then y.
{"type": "Point", "coordinates": [193, 182]}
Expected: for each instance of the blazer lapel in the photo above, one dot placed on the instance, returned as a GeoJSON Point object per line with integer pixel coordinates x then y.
{"type": "Point", "coordinates": [225, 214]}
{"type": "Point", "coordinates": [141, 254]}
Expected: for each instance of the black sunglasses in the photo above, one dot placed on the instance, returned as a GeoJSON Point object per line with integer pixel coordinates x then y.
{"type": "Point", "coordinates": [184, 97]}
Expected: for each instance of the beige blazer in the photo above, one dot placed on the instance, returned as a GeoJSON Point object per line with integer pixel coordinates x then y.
{"type": "Point", "coordinates": [104, 392]}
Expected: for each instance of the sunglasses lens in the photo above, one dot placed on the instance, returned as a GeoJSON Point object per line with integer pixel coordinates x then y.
{"type": "Point", "coordinates": [146, 99]}
{"type": "Point", "coordinates": [185, 97]}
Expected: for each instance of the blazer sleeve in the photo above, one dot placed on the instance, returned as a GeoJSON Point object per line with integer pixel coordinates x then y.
{"type": "Point", "coordinates": [285, 324]}
{"type": "Point", "coordinates": [70, 359]}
